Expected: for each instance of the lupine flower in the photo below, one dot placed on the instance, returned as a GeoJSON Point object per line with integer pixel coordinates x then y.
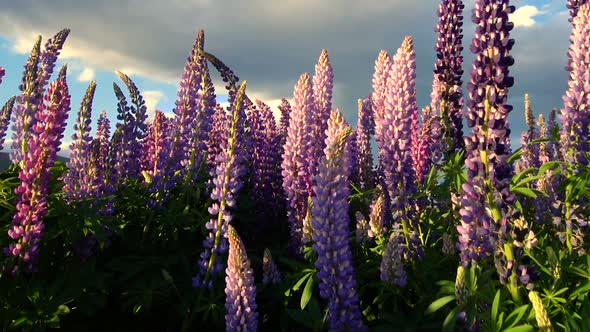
{"type": "Point", "coordinates": [380, 77]}
{"type": "Point", "coordinates": [297, 158]}
{"type": "Point", "coordinates": [240, 291]}
{"type": "Point", "coordinates": [365, 129]}
{"type": "Point", "coordinates": [330, 234]}
{"type": "Point", "coordinates": [77, 182]}
{"type": "Point", "coordinates": [447, 97]}
{"type": "Point", "coordinates": [39, 156]}
{"type": "Point", "coordinates": [530, 151]}
{"type": "Point", "coordinates": [575, 116]}
{"type": "Point", "coordinates": [226, 180]}
{"type": "Point", "coordinates": [377, 216]}
{"type": "Point", "coordinates": [158, 150]}
{"type": "Point", "coordinates": [285, 109]}
{"type": "Point", "coordinates": [545, 184]}
{"type": "Point", "coordinates": [216, 135]}
{"type": "Point", "coordinates": [488, 172]}
{"type": "Point", "coordinates": [541, 314]}
{"type": "Point", "coordinates": [461, 291]}
{"type": "Point", "coordinates": [362, 228]}
{"type": "Point", "coordinates": [49, 57]}
{"type": "Point", "coordinates": [421, 141]}
{"type": "Point", "coordinates": [270, 272]}
{"type": "Point", "coordinates": [448, 246]}
{"type": "Point", "coordinates": [23, 115]}
{"type": "Point", "coordinates": [392, 266]}
{"type": "Point", "coordinates": [5, 119]}
{"type": "Point", "coordinates": [323, 82]}
{"type": "Point", "coordinates": [574, 7]}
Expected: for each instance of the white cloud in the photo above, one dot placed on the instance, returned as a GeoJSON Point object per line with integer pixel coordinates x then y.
{"type": "Point", "coordinates": [152, 98]}
{"type": "Point", "coordinates": [524, 16]}
{"type": "Point", "coordinates": [86, 75]}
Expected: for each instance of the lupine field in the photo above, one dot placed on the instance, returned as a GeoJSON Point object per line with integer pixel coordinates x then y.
{"type": "Point", "coordinates": [417, 218]}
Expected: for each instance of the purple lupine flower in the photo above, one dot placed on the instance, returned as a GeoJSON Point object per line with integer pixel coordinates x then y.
{"type": "Point", "coordinates": [216, 135]}
{"type": "Point", "coordinates": [49, 57]}
{"type": "Point", "coordinates": [330, 229]}
{"type": "Point", "coordinates": [285, 109]}
{"type": "Point", "coordinates": [488, 147]}
{"type": "Point", "coordinates": [380, 77]}
{"type": "Point", "coordinates": [447, 96]}
{"type": "Point", "coordinates": [421, 141]}
{"type": "Point", "coordinates": [2, 73]}
{"type": "Point", "coordinates": [575, 116]}
{"type": "Point", "coordinates": [122, 164]}
{"type": "Point", "coordinates": [157, 148]}
{"type": "Point", "coordinates": [77, 181]}
{"type": "Point", "coordinates": [392, 266]}
{"type": "Point", "coordinates": [574, 7]}
{"type": "Point", "coordinates": [102, 138]}
{"type": "Point", "coordinates": [39, 156]}
{"type": "Point", "coordinates": [297, 158]}
{"type": "Point", "coordinates": [240, 291]}
{"type": "Point", "coordinates": [270, 272]}
{"type": "Point", "coordinates": [23, 115]}
{"type": "Point", "coordinates": [400, 108]}
{"type": "Point", "coordinates": [5, 119]}
{"type": "Point", "coordinates": [226, 180]}
{"type": "Point", "coordinates": [362, 227]}
{"type": "Point", "coordinates": [323, 82]}
{"type": "Point", "coordinates": [365, 129]}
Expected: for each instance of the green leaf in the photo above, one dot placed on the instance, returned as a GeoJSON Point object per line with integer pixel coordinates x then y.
{"type": "Point", "coordinates": [520, 328]}
{"type": "Point", "coordinates": [307, 291]}
{"type": "Point", "coordinates": [516, 315]}
{"type": "Point", "coordinates": [436, 305]}
{"type": "Point", "coordinates": [585, 288]}
{"type": "Point", "coordinates": [495, 308]}
{"type": "Point", "coordinates": [524, 191]}
{"type": "Point", "coordinates": [449, 323]}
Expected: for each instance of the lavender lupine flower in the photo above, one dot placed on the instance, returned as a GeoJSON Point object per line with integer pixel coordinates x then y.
{"type": "Point", "coordinates": [157, 150]}
{"type": "Point", "coordinates": [5, 119]}
{"type": "Point", "coordinates": [380, 78]}
{"type": "Point", "coordinates": [121, 146]}
{"type": "Point", "coordinates": [330, 229]}
{"type": "Point", "coordinates": [2, 73]}
{"type": "Point", "coordinates": [323, 82]}
{"type": "Point", "coordinates": [476, 225]}
{"type": "Point", "coordinates": [547, 183]}
{"type": "Point", "coordinates": [365, 129]}
{"type": "Point", "coordinates": [447, 96]}
{"type": "Point", "coordinates": [392, 266]}
{"type": "Point", "coordinates": [270, 272]}
{"type": "Point", "coordinates": [39, 156]}
{"type": "Point", "coordinates": [216, 135]}
{"type": "Point", "coordinates": [575, 116]}
{"type": "Point", "coordinates": [285, 109]}
{"type": "Point", "coordinates": [421, 141]}
{"type": "Point", "coordinates": [77, 182]}
{"type": "Point", "coordinates": [103, 133]}
{"type": "Point", "coordinates": [49, 57]}
{"type": "Point", "coordinates": [574, 7]}
{"type": "Point", "coordinates": [23, 115]}
{"type": "Point", "coordinates": [297, 158]}
{"type": "Point", "coordinates": [226, 182]}
{"type": "Point", "coordinates": [240, 291]}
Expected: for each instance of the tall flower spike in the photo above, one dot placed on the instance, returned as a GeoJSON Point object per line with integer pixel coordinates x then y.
{"type": "Point", "coordinates": [297, 158]}
{"type": "Point", "coordinates": [2, 72]}
{"type": "Point", "coordinates": [23, 115]}
{"type": "Point", "coordinates": [39, 156]}
{"type": "Point", "coordinates": [285, 109]}
{"type": "Point", "coordinates": [382, 68]}
{"type": "Point", "coordinates": [365, 129]}
{"type": "Point", "coordinates": [5, 119]}
{"type": "Point", "coordinates": [240, 291]}
{"type": "Point", "coordinates": [49, 57]}
{"type": "Point", "coordinates": [216, 135]}
{"type": "Point", "coordinates": [392, 267]}
{"type": "Point", "coordinates": [575, 116]}
{"type": "Point", "coordinates": [226, 182]}
{"type": "Point", "coordinates": [530, 151]}
{"type": "Point", "coordinates": [541, 314]}
{"type": "Point", "coordinates": [270, 272]}
{"type": "Point", "coordinates": [77, 182]}
{"type": "Point", "coordinates": [323, 82]}
{"type": "Point", "coordinates": [447, 96]}
{"type": "Point", "coordinates": [377, 215]}
{"type": "Point", "coordinates": [157, 151]}
{"type": "Point", "coordinates": [574, 6]}
{"type": "Point", "coordinates": [331, 234]}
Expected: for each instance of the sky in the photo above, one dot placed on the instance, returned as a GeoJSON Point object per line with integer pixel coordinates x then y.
{"type": "Point", "coordinates": [269, 44]}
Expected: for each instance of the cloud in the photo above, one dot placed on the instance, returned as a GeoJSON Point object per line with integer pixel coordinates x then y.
{"type": "Point", "coordinates": [524, 16]}
{"type": "Point", "coordinates": [86, 75]}
{"type": "Point", "coordinates": [152, 98]}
